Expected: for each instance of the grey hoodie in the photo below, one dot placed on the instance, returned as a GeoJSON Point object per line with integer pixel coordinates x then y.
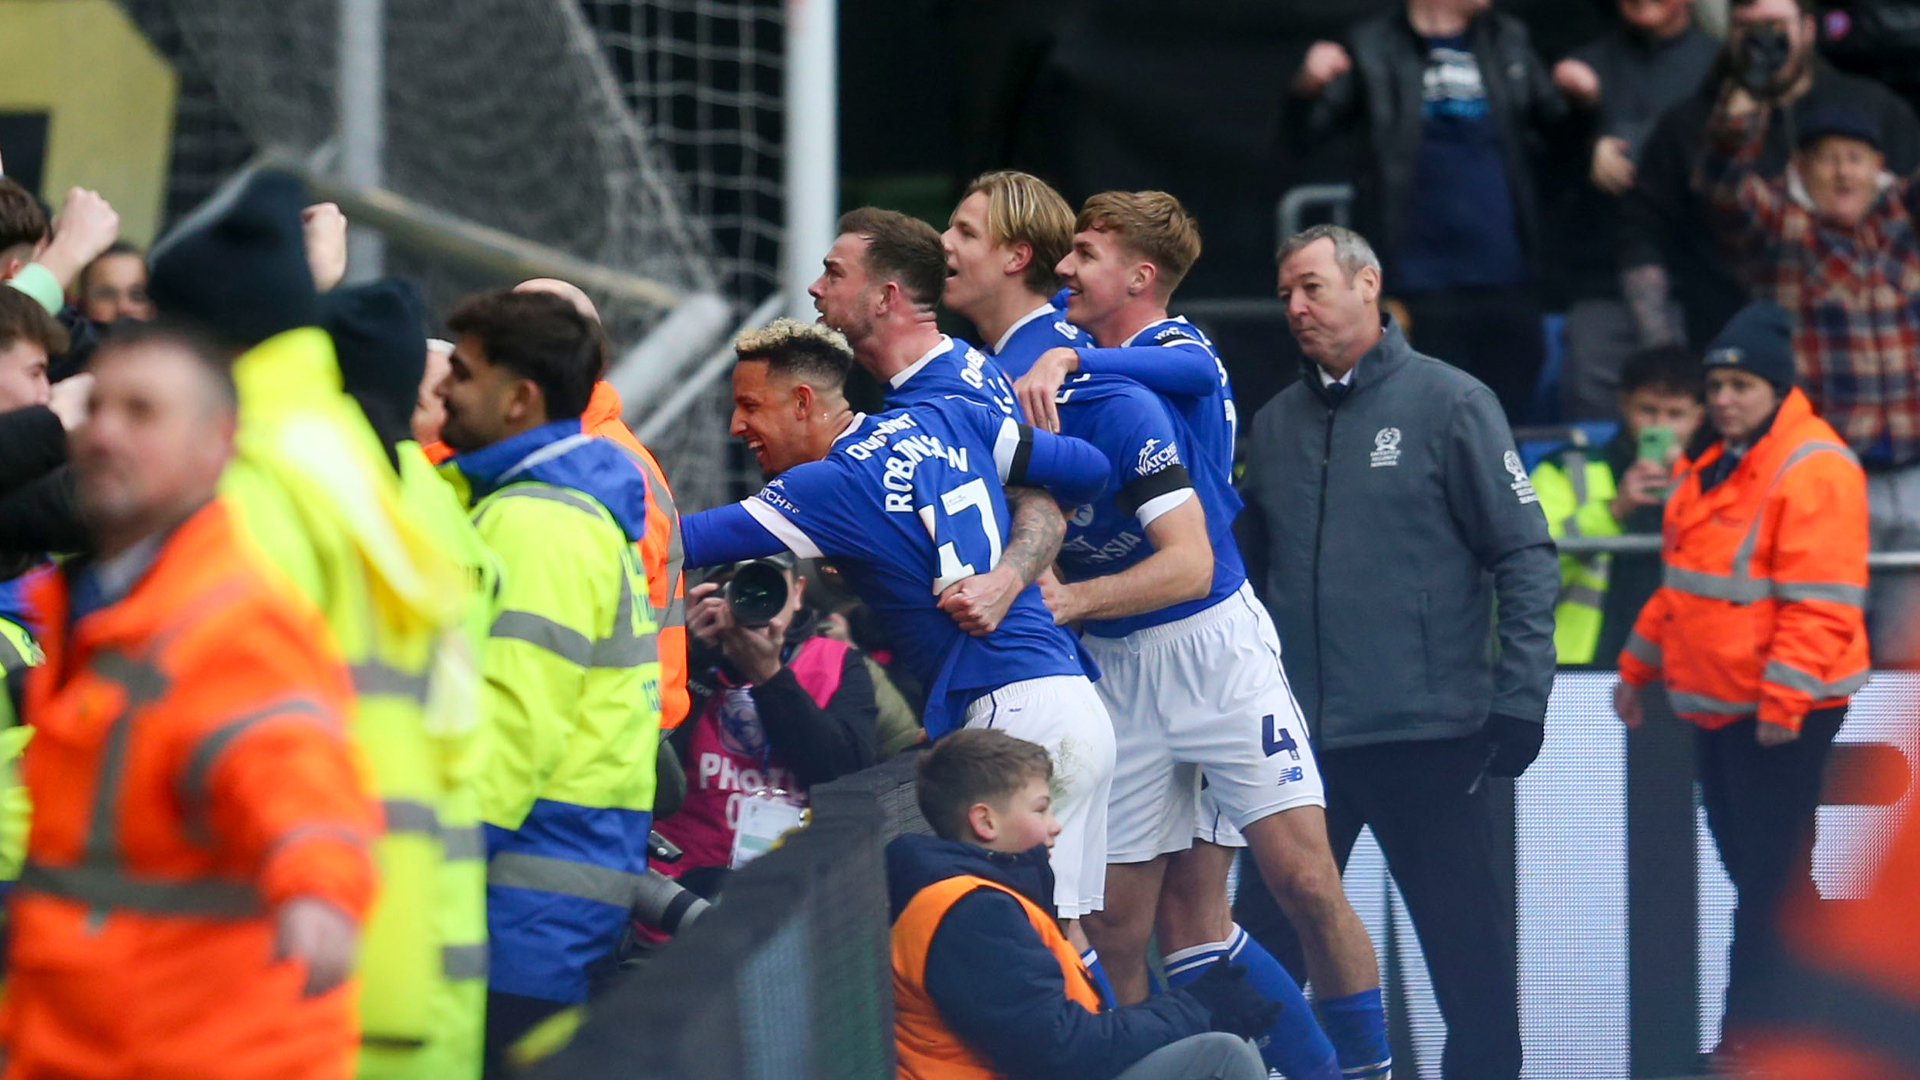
{"type": "Point", "coordinates": [1379, 530]}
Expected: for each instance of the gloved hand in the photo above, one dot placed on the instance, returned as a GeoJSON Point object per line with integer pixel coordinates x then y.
{"type": "Point", "coordinates": [1235, 1007]}
{"type": "Point", "coordinates": [1515, 743]}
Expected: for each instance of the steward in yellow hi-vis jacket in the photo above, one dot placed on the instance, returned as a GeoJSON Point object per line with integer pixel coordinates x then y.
{"type": "Point", "coordinates": [573, 670]}
{"type": "Point", "coordinates": [18, 652]}
{"type": "Point", "coordinates": [321, 503]}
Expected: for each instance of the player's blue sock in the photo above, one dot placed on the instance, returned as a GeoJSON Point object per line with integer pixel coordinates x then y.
{"type": "Point", "coordinates": [1357, 1024]}
{"type": "Point", "coordinates": [1091, 958]}
{"type": "Point", "coordinates": [1294, 1044]}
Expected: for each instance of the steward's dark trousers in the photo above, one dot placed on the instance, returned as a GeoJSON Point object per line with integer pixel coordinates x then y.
{"type": "Point", "coordinates": [1760, 804]}
{"type": "Point", "coordinates": [1493, 334]}
{"type": "Point", "coordinates": [1439, 843]}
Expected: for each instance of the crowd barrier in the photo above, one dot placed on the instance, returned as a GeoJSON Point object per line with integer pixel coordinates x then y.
{"type": "Point", "coordinates": [1622, 909]}
{"type": "Point", "coordinates": [787, 978]}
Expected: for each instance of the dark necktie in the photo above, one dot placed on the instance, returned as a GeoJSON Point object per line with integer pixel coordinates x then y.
{"type": "Point", "coordinates": [1337, 392]}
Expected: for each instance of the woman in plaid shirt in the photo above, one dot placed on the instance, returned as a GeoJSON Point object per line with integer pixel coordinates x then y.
{"type": "Point", "coordinates": [1833, 242]}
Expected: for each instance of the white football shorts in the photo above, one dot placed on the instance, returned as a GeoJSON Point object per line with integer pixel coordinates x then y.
{"type": "Point", "coordinates": [1204, 695]}
{"type": "Point", "coordinates": [1065, 715]}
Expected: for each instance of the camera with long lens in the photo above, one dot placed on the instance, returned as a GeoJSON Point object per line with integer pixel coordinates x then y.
{"type": "Point", "coordinates": [1764, 51]}
{"type": "Point", "coordinates": [757, 591]}
{"type": "Point", "coordinates": [661, 902]}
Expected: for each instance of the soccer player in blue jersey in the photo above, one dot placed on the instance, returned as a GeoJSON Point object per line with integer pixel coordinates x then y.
{"type": "Point", "coordinates": [880, 286]}
{"type": "Point", "coordinates": [905, 504]}
{"type": "Point", "coordinates": [1193, 678]}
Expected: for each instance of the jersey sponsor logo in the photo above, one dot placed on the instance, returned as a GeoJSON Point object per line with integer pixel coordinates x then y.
{"type": "Point", "coordinates": [777, 498]}
{"type": "Point", "coordinates": [1386, 447]}
{"type": "Point", "coordinates": [1521, 486]}
{"type": "Point", "coordinates": [1156, 457]}
{"type": "Point", "coordinates": [1086, 551]}
{"type": "Point", "coordinates": [1066, 330]}
{"type": "Point", "coordinates": [1174, 335]}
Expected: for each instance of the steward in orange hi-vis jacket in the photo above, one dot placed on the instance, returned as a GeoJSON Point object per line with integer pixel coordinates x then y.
{"type": "Point", "coordinates": [190, 777]}
{"type": "Point", "coordinates": [1763, 581]}
{"type": "Point", "coordinates": [1758, 630]}
{"type": "Point", "coordinates": [660, 553]}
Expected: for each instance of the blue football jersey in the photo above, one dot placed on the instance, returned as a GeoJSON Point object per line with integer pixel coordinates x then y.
{"type": "Point", "coordinates": [1045, 327]}
{"type": "Point", "coordinates": [1144, 439]}
{"type": "Point", "coordinates": [953, 369]}
{"type": "Point", "coordinates": [909, 502]}
{"type": "Point", "coordinates": [1211, 417]}
{"type": "Point", "coordinates": [1149, 444]}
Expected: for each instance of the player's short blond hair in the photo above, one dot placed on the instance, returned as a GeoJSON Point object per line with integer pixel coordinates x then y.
{"type": "Point", "coordinates": [812, 352]}
{"type": "Point", "coordinates": [1024, 209]}
{"type": "Point", "coordinates": [1153, 224]}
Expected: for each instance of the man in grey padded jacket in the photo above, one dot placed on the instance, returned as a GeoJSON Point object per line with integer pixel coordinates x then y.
{"type": "Point", "coordinates": [1388, 520]}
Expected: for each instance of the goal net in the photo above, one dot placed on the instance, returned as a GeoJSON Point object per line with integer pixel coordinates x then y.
{"type": "Point", "coordinates": [641, 135]}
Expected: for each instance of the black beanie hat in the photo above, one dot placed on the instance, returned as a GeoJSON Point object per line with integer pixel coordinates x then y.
{"type": "Point", "coordinates": [379, 332]}
{"type": "Point", "coordinates": [1758, 339]}
{"type": "Point", "coordinates": [238, 268]}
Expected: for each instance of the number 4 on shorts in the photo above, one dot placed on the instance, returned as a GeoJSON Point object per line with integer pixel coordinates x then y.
{"type": "Point", "coordinates": [1277, 738]}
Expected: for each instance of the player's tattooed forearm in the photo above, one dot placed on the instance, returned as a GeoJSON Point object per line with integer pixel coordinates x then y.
{"type": "Point", "coordinates": [1034, 535]}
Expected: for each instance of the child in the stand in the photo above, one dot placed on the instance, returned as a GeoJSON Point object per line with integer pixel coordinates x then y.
{"type": "Point", "coordinates": [985, 984]}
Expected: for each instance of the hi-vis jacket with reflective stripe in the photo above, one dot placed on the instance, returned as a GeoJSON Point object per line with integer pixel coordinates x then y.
{"type": "Point", "coordinates": [573, 680]}
{"type": "Point", "coordinates": [326, 512]}
{"type": "Point", "coordinates": [456, 1046]}
{"type": "Point", "coordinates": [18, 652]}
{"type": "Point", "coordinates": [190, 773]}
{"type": "Point", "coordinates": [660, 552]}
{"type": "Point", "coordinates": [1764, 581]}
{"type": "Point", "coordinates": [660, 548]}
{"type": "Point", "coordinates": [1575, 487]}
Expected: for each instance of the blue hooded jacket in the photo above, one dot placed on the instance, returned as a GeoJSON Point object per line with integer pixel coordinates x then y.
{"type": "Point", "coordinates": [999, 987]}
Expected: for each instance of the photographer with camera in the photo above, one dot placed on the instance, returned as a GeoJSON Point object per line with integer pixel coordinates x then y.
{"type": "Point", "coordinates": [776, 709]}
{"type": "Point", "coordinates": [1668, 249]}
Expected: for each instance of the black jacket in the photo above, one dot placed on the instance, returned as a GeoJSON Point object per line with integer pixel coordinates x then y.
{"type": "Point", "coordinates": [1665, 222]}
{"type": "Point", "coordinates": [818, 743]}
{"type": "Point", "coordinates": [1381, 530]}
{"type": "Point", "coordinates": [32, 444]}
{"type": "Point", "coordinates": [1385, 90]}
{"type": "Point", "coordinates": [999, 988]}
{"type": "Point", "coordinates": [39, 511]}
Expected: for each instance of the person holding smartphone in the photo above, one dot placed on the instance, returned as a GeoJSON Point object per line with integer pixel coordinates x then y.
{"type": "Point", "coordinates": [1617, 489]}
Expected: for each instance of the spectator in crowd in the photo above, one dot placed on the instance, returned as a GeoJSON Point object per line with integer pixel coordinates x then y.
{"type": "Point", "coordinates": [1388, 517]}
{"type": "Point", "coordinates": [44, 260]}
{"type": "Point", "coordinates": [1668, 250]}
{"type": "Point", "coordinates": [895, 690]}
{"type": "Point", "coordinates": [114, 286]}
{"type": "Point", "coordinates": [200, 861]}
{"type": "Point", "coordinates": [985, 984]}
{"type": "Point", "coordinates": [781, 709]}
{"type": "Point", "coordinates": [428, 413]}
{"type": "Point", "coordinates": [1619, 492]}
{"type": "Point", "coordinates": [1757, 633]}
{"type": "Point", "coordinates": [1453, 100]}
{"type": "Point", "coordinates": [1656, 57]}
{"type": "Point", "coordinates": [38, 511]}
{"type": "Point", "coordinates": [1833, 243]}
{"type": "Point", "coordinates": [320, 502]}
{"type": "Point", "coordinates": [570, 665]}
